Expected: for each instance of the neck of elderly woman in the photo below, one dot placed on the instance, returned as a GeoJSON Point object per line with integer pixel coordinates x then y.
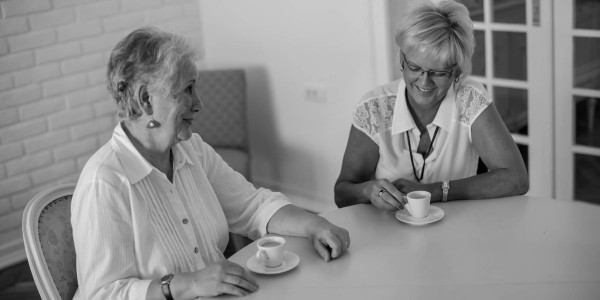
{"type": "Point", "coordinates": [149, 144]}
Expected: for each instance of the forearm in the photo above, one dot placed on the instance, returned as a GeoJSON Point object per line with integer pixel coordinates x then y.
{"type": "Point", "coordinates": [294, 221]}
{"type": "Point", "coordinates": [493, 184]}
{"type": "Point", "coordinates": [348, 193]}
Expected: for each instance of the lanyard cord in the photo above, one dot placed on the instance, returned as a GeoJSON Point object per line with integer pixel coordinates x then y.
{"type": "Point", "coordinates": [424, 156]}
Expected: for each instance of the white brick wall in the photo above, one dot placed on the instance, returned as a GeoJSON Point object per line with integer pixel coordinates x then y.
{"type": "Point", "coordinates": [55, 111]}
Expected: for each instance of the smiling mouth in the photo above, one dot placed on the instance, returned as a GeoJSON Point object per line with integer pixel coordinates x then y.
{"type": "Point", "coordinates": [424, 90]}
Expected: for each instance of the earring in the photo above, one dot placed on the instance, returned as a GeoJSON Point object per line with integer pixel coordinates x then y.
{"type": "Point", "coordinates": [456, 79]}
{"type": "Point", "coordinates": [153, 123]}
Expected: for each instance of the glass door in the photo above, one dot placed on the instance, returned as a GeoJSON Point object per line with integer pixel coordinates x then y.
{"type": "Point", "coordinates": [577, 90]}
{"type": "Point", "coordinates": [513, 59]}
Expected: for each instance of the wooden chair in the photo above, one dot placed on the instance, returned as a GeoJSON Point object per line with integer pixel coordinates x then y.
{"type": "Point", "coordinates": [48, 239]}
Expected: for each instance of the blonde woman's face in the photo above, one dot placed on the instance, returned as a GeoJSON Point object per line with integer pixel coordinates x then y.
{"type": "Point", "coordinates": [427, 80]}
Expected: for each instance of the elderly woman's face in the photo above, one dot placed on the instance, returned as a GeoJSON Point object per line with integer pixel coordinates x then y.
{"type": "Point", "coordinates": [177, 109]}
{"type": "Point", "coordinates": [427, 80]}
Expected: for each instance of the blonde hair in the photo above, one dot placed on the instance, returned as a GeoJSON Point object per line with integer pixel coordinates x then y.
{"type": "Point", "coordinates": [443, 29]}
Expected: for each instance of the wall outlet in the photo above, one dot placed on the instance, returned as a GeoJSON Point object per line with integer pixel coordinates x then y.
{"type": "Point", "coordinates": [315, 92]}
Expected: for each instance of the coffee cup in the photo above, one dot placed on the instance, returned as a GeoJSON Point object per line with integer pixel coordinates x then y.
{"type": "Point", "coordinates": [270, 251]}
{"type": "Point", "coordinates": [418, 203]}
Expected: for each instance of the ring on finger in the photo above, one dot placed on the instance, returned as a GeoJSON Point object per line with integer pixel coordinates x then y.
{"type": "Point", "coordinates": [381, 193]}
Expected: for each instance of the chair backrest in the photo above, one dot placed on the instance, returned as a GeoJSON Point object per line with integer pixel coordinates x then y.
{"type": "Point", "coordinates": [222, 122]}
{"type": "Point", "coordinates": [48, 238]}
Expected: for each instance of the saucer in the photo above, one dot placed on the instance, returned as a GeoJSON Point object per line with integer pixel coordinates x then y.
{"type": "Point", "coordinates": [435, 214]}
{"type": "Point", "coordinates": [290, 261]}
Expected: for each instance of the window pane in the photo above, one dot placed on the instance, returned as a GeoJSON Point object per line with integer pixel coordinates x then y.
{"type": "Point", "coordinates": [512, 106]}
{"type": "Point", "coordinates": [510, 55]}
{"type": "Point", "coordinates": [587, 63]}
{"type": "Point", "coordinates": [475, 9]}
{"type": "Point", "coordinates": [479, 55]}
{"type": "Point", "coordinates": [587, 14]}
{"type": "Point", "coordinates": [509, 11]}
{"type": "Point", "coordinates": [587, 172]}
{"type": "Point", "coordinates": [587, 121]}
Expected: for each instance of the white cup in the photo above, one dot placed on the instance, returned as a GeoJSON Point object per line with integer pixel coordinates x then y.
{"type": "Point", "coordinates": [418, 203]}
{"type": "Point", "coordinates": [270, 251]}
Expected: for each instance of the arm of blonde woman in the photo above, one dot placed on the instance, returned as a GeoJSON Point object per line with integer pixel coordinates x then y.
{"type": "Point", "coordinates": [222, 277]}
{"type": "Point", "coordinates": [329, 241]}
{"type": "Point", "coordinates": [507, 174]}
{"type": "Point", "coordinates": [355, 185]}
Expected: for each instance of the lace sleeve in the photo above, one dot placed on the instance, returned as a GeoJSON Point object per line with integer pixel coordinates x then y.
{"type": "Point", "coordinates": [374, 116]}
{"type": "Point", "coordinates": [472, 100]}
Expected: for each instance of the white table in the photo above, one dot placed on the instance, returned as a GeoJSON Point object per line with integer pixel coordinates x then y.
{"type": "Point", "coordinates": [509, 248]}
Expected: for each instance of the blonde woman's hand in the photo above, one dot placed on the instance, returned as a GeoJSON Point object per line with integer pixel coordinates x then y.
{"type": "Point", "coordinates": [329, 240]}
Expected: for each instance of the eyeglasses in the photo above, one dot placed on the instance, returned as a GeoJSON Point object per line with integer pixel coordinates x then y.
{"type": "Point", "coordinates": [434, 74]}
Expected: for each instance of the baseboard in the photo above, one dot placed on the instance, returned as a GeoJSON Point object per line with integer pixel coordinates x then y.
{"type": "Point", "coordinates": [316, 204]}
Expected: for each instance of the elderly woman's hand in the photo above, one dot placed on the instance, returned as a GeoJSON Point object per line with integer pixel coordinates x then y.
{"type": "Point", "coordinates": [222, 277]}
{"type": "Point", "coordinates": [329, 240]}
{"type": "Point", "coordinates": [384, 195]}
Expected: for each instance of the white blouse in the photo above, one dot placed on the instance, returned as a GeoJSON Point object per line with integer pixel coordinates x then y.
{"type": "Point", "coordinates": [132, 225]}
{"type": "Point", "coordinates": [383, 115]}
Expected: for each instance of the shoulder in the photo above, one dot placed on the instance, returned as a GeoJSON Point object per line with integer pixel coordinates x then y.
{"type": "Point", "coordinates": [373, 114]}
{"type": "Point", "coordinates": [471, 99]}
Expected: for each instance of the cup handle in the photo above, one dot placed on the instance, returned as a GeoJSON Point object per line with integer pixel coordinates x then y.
{"type": "Point", "coordinates": [407, 207]}
{"type": "Point", "coordinates": [261, 256]}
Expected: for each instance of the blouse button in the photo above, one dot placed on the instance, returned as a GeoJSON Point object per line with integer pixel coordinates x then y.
{"type": "Point", "coordinates": [196, 250]}
{"type": "Point", "coordinates": [185, 221]}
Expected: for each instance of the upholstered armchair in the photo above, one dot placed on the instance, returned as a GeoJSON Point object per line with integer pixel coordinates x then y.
{"type": "Point", "coordinates": [222, 123]}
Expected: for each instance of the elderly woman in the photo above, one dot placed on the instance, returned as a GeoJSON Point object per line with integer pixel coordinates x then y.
{"type": "Point", "coordinates": [153, 207]}
{"type": "Point", "coordinates": [427, 130]}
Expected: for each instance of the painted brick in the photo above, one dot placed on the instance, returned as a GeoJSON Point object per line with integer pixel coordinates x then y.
{"type": "Point", "coordinates": [17, 61]}
{"type": "Point", "coordinates": [2, 172]}
{"type": "Point", "coordinates": [75, 149]}
{"type": "Point", "coordinates": [73, 178]}
{"type": "Point", "coordinates": [42, 107]}
{"type": "Point", "coordinates": [83, 63]}
{"type": "Point", "coordinates": [11, 220]}
{"type": "Point", "coordinates": [177, 1]}
{"type": "Point", "coordinates": [138, 5]}
{"type": "Point", "coordinates": [102, 108]}
{"type": "Point", "coordinates": [66, 3]}
{"type": "Point", "coordinates": [10, 26]}
{"type": "Point", "coordinates": [82, 160]}
{"type": "Point", "coordinates": [97, 9]}
{"type": "Point", "coordinates": [47, 140]}
{"type": "Point", "coordinates": [28, 163]}
{"type": "Point", "coordinates": [3, 46]}
{"type": "Point", "coordinates": [20, 200]}
{"type": "Point", "coordinates": [94, 127]}
{"type": "Point", "coordinates": [6, 82]}
{"type": "Point", "coordinates": [5, 206]}
{"type": "Point", "coordinates": [57, 52]}
{"type": "Point", "coordinates": [97, 76]}
{"type": "Point", "coordinates": [53, 172]}
{"type": "Point", "coordinates": [14, 184]}
{"type": "Point", "coordinates": [87, 96]}
{"type": "Point", "coordinates": [121, 22]}
{"type": "Point", "coordinates": [8, 116]}
{"type": "Point", "coordinates": [79, 30]}
{"type": "Point", "coordinates": [52, 18]}
{"type": "Point", "coordinates": [10, 151]}
{"type": "Point", "coordinates": [20, 96]}
{"type": "Point", "coordinates": [22, 130]}
{"type": "Point", "coordinates": [192, 10]}
{"type": "Point", "coordinates": [102, 42]}
{"type": "Point", "coordinates": [64, 84]}
{"type": "Point", "coordinates": [20, 7]}
{"type": "Point", "coordinates": [164, 13]}
{"type": "Point", "coordinates": [182, 25]}
{"type": "Point", "coordinates": [31, 40]}
{"type": "Point", "coordinates": [36, 74]}
{"type": "Point", "coordinates": [70, 117]}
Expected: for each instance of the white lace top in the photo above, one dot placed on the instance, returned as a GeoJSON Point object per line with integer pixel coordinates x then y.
{"type": "Point", "coordinates": [383, 115]}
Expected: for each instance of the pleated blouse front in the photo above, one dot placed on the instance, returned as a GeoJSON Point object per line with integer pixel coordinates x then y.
{"type": "Point", "coordinates": [132, 225]}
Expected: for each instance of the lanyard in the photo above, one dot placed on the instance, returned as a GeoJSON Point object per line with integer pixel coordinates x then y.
{"type": "Point", "coordinates": [424, 156]}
